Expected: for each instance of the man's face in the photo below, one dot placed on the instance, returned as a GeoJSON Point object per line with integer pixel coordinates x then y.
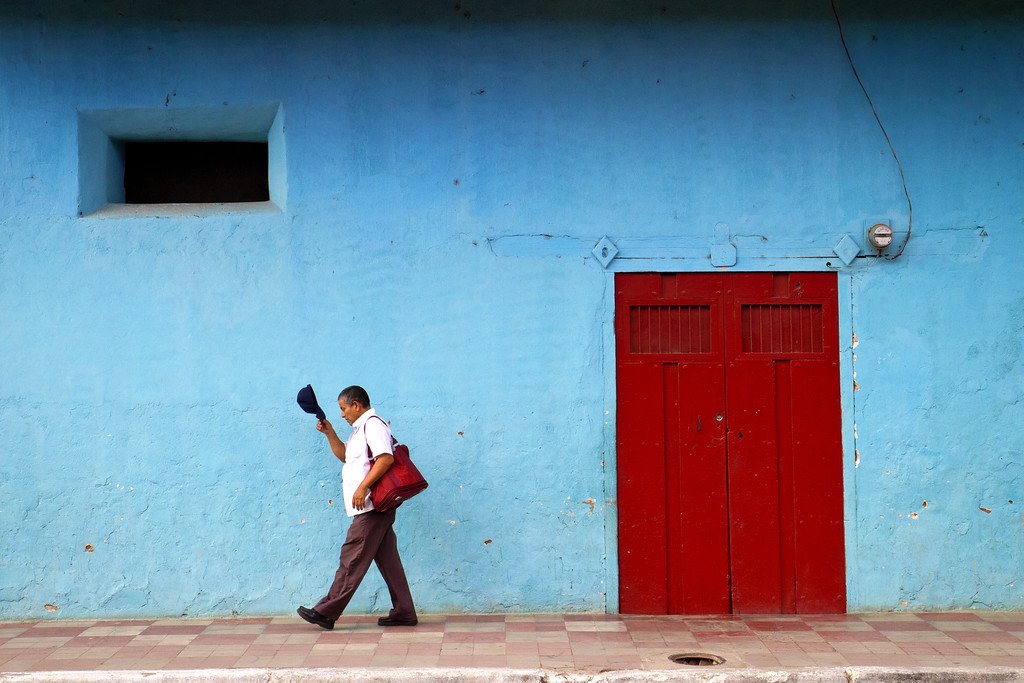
{"type": "Point", "coordinates": [350, 411]}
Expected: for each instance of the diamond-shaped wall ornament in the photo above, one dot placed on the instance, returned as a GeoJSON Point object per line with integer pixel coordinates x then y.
{"type": "Point", "coordinates": [605, 251]}
{"type": "Point", "coordinates": [847, 249]}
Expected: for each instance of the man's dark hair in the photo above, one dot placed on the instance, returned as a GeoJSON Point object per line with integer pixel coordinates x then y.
{"type": "Point", "coordinates": [355, 394]}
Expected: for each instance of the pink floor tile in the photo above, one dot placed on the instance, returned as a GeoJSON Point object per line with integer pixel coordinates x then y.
{"type": "Point", "coordinates": [61, 665]}
{"type": "Point", "coordinates": [519, 662]}
{"type": "Point", "coordinates": [886, 626]}
{"type": "Point", "coordinates": [1004, 660]}
{"type": "Point", "coordinates": [358, 637]}
{"type": "Point", "coordinates": [646, 625]}
{"type": "Point", "coordinates": [173, 630]}
{"type": "Point", "coordinates": [759, 660]}
{"type": "Point", "coordinates": [347, 660]}
{"type": "Point", "coordinates": [853, 636]}
{"type": "Point", "coordinates": [187, 663]}
{"type": "Point", "coordinates": [224, 638]}
{"type": "Point", "coordinates": [533, 626]}
{"type": "Point", "coordinates": [245, 621]}
{"type": "Point", "coordinates": [778, 626]}
{"type": "Point", "coordinates": [950, 648]}
{"type": "Point", "coordinates": [599, 636]}
{"type": "Point", "coordinates": [297, 627]}
{"type": "Point", "coordinates": [473, 637]}
{"type": "Point", "coordinates": [220, 662]}
{"type": "Point", "coordinates": [521, 648]}
{"type": "Point", "coordinates": [53, 631]}
{"type": "Point", "coordinates": [984, 636]}
{"type": "Point", "coordinates": [419, 628]}
{"type": "Point", "coordinates": [724, 635]}
{"type": "Point", "coordinates": [816, 647]}
{"type": "Point", "coordinates": [1009, 625]}
{"type": "Point", "coordinates": [950, 616]}
{"type": "Point", "coordinates": [872, 659]}
{"type": "Point", "coordinates": [322, 661]}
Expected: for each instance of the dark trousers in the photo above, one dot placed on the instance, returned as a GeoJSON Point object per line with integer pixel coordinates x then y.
{"type": "Point", "coordinates": [370, 538]}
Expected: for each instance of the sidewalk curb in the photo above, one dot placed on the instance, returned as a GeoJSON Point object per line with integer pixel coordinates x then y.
{"type": "Point", "coordinates": [470, 675]}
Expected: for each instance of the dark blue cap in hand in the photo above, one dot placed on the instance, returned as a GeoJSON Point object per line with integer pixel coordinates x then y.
{"type": "Point", "coordinates": [307, 401]}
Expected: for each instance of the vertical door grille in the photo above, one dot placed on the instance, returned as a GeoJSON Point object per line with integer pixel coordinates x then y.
{"type": "Point", "coordinates": [670, 329]}
{"type": "Point", "coordinates": [782, 328]}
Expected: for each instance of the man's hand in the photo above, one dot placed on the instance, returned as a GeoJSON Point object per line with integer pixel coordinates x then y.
{"type": "Point", "coordinates": [380, 465]}
{"type": "Point", "coordinates": [325, 426]}
{"type": "Point", "coordinates": [359, 497]}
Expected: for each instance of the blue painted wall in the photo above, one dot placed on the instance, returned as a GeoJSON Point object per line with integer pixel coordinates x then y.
{"type": "Point", "coordinates": [441, 180]}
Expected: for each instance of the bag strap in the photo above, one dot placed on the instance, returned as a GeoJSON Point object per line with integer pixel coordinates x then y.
{"type": "Point", "coordinates": [394, 441]}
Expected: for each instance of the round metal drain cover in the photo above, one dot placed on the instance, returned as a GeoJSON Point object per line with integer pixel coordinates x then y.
{"type": "Point", "coordinates": [697, 659]}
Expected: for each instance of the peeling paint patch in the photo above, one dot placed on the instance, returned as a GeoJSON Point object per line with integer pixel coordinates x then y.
{"type": "Point", "coordinates": [50, 608]}
{"type": "Point", "coordinates": [924, 503]}
{"type": "Point", "coordinates": [591, 503]}
{"type": "Point", "coordinates": [89, 547]}
{"type": "Point", "coordinates": [488, 541]}
{"type": "Point", "coordinates": [914, 515]}
{"type": "Point", "coordinates": [330, 501]}
{"type": "Point", "coordinates": [856, 458]}
{"type": "Point", "coordinates": [987, 511]}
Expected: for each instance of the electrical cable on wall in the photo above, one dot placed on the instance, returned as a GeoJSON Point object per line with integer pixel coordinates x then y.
{"type": "Point", "coordinates": [899, 166]}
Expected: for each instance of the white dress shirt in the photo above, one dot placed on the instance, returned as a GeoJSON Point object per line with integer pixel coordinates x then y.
{"type": "Point", "coordinates": [357, 459]}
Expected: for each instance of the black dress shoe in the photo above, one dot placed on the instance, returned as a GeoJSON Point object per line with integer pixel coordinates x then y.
{"type": "Point", "coordinates": [390, 621]}
{"type": "Point", "coordinates": [314, 617]}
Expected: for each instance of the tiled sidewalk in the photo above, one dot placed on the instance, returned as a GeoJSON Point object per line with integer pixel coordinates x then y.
{"type": "Point", "coordinates": [574, 642]}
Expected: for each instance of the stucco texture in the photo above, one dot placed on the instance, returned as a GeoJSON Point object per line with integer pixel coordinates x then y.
{"type": "Point", "coordinates": [447, 173]}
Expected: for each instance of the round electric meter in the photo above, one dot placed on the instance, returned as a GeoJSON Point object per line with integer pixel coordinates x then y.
{"type": "Point", "coordinates": [880, 236]}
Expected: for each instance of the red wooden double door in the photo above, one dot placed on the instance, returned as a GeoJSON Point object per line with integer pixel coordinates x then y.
{"type": "Point", "coordinates": [729, 444]}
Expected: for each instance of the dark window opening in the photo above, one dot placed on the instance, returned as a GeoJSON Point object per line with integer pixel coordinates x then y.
{"type": "Point", "coordinates": [193, 172]}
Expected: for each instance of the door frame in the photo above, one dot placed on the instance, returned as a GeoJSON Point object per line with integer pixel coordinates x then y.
{"type": "Point", "coordinates": [847, 399]}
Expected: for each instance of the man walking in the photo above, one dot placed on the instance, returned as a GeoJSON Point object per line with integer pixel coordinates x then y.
{"type": "Point", "coordinates": [366, 456]}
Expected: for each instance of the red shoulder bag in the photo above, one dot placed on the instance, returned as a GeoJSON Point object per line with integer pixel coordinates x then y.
{"type": "Point", "coordinates": [401, 482]}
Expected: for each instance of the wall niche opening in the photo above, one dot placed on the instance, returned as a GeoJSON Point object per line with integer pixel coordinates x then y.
{"type": "Point", "coordinates": [195, 171]}
{"type": "Point", "coordinates": [194, 161]}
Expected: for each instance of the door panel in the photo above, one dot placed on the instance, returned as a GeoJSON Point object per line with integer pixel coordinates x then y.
{"type": "Point", "coordinates": [671, 379]}
{"type": "Point", "coordinates": [754, 520]}
{"type": "Point", "coordinates": [643, 537]}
